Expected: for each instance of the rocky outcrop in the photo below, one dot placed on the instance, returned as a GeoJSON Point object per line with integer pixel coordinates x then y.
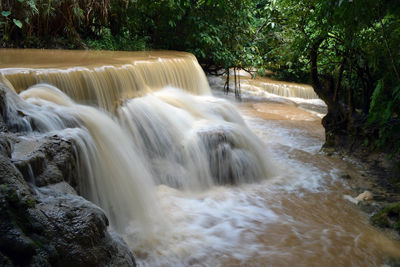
{"type": "Point", "coordinates": [229, 163]}
{"type": "Point", "coordinates": [49, 160]}
{"type": "Point", "coordinates": [43, 221]}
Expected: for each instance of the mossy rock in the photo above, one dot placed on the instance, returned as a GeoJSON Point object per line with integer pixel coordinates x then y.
{"type": "Point", "coordinates": [388, 217]}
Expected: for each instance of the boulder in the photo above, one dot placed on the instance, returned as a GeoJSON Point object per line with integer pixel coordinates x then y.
{"type": "Point", "coordinates": [52, 226]}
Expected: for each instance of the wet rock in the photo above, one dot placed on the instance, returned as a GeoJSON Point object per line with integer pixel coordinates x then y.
{"type": "Point", "coordinates": [229, 163]}
{"type": "Point", "coordinates": [345, 176]}
{"type": "Point", "coordinates": [49, 160]}
{"type": "Point", "coordinates": [369, 207]}
{"type": "Point", "coordinates": [3, 107]}
{"type": "Point", "coordinates": [365, 196]}
{"type": "Point", "coordinates": [49, 226]}
{"type": "Point", "coordinates": [11, 177]}
{"type": "Point", "coordinates": [77, 230]}
{"type": "Point", "coordinates": [31, 166]}
{"type": "Point", "coordinates": [62, 188]}
{"type": "Point", "coordinates": [5, 145]}
{"type": "Point", "coordinates": [329, 151]}
{"type": "Point", "coordinates": [45, 222]}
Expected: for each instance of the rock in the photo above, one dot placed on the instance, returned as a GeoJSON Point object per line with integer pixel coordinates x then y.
{"type": "Point", "coordinates": [63, 188]}
{"type": "Point", "coordinates": [369, 206]}
{"type": "Point", "coordinates": [60, 162]}
{"type": "Point", "coordinates": [44, 161]}
{"type": "Point", "coordinates": [77, 229]}
{"type": "Point", "coordinates": [3, 107]}
{"type": "Point", "coordinates": [5, 146]}
{"type": "Point", "coordinates": [229, 162]}
{"type": "Point", "coordinates": [45, 222]}
{"type": "Point", "coordinates": [49, 226]}
{"type": "Point", "coordinates": [10, 177]}
{"type": "Point", "coordinates": [345, 176]}
{"type": "Point", "coordinates": [365, 196]}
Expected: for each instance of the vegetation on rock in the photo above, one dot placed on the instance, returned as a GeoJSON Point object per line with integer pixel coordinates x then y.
{"type": "Point", "coordinates": [388, 217]}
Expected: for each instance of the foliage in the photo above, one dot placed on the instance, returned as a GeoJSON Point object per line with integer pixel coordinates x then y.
{"type": "Point", "coordinates": [34, 23]}
{"type": "Point", "coordinates": [388, 217]}
{"type": "Point", "coordinates": [222, 34]}
{"type": "Point", "coordinates": [106, 41]}
{"type": "Point", "coordinates": [349, 51]}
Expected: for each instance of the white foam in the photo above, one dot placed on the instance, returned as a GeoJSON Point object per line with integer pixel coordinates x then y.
{"type": "Point", "coordinates": [208, 226]}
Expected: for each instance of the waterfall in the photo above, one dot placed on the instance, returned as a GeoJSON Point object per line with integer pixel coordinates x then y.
{"type": "Point", "coordinates": [177, 171]}
{"type": "Point", "coordinates": [150, 121]}
{"type": "Point", "coordinates": [111, 167]}
{"type": "Point", "coordinates": [103, 78]}
{"type": "Point", "coordinates": [262, 86]}
{"type": "Point", "coordinates": [193, 142]}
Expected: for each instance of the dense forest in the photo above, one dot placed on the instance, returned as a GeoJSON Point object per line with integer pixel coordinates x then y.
{"type": "Point", "coordinates": [349, 50]}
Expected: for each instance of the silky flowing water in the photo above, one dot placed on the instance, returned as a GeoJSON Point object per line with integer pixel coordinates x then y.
{"type": "Point", "coordinates": [188, 178]}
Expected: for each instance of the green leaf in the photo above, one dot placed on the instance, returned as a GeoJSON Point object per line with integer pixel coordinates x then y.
{"type": "Point", "coordinates": [21, 1]}
{"type": "Point", "coordinates": [18, 23]}
{"type": "Point", "coordinates": [6, 13]}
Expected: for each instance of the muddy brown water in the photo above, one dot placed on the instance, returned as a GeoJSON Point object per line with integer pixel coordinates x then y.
{"type": "Point", "coordinates": [318, 226]}
{"type": "Point", "coordinates": [296, 217]}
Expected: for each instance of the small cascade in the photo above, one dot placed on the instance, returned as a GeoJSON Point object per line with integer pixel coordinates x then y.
{"type": "Point", "coordinates": [288, 89]}
{"type": "Point", "coordinates": [262, 86]}
{"type": "Point", "coordinates": [103, 78]}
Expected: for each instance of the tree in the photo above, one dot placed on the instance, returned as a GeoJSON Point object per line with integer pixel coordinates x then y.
{"type": "Point", "coordinates": [350, 51]}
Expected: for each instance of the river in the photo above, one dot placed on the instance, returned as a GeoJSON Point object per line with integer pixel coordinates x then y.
{"type": "Point", "coordinates": [188, 178]}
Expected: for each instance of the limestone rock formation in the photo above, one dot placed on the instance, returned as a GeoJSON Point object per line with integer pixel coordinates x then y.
{"type": "Point", "coordinates": [43, 222]}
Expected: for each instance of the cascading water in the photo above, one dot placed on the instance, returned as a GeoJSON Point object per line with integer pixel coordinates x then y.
{"type": "Point", "coordinates": [104, 79]}
{"type": "Point", "coordinates": [263, 86]}
{"type": "Point", "coordinates": [204, 142]}
{"type": "Point", "coordinates": [108, 157]}
{"type": "Point", "coordinates": [181, 176]}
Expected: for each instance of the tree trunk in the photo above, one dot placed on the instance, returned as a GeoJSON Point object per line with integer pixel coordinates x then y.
{"type": "Point", "coordinates": [235, 78]}
{"type": "Point", "coordinates": [335, 121]}
{"type": "Point", "coordinates": [226, 86]}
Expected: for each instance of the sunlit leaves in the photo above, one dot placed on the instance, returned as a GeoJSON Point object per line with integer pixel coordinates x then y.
{"type": "Point", "coordinates": [6, 13]}
{"type": "Point", "coordinates": [18, 23]}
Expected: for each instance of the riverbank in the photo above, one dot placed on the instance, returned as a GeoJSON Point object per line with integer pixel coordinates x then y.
{"type": "Point", "coordinates": [378, 176]}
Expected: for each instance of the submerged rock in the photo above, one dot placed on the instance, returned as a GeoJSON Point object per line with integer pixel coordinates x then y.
{"type": "Point", "coordinates": [229, 162]}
